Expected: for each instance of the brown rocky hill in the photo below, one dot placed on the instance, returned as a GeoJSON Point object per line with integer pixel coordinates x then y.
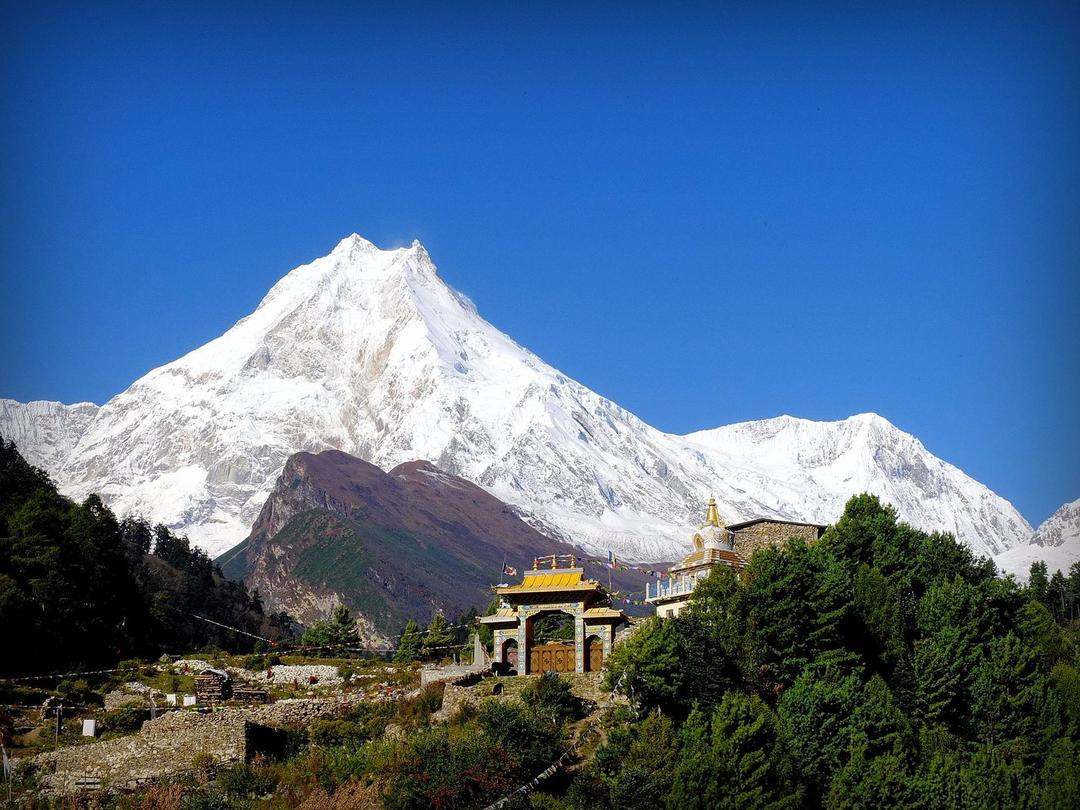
{"type": "Point", "coordinates": [392, 545]}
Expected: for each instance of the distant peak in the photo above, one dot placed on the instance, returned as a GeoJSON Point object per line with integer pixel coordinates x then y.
{"type": "Point", "coordinates": [354, 241]}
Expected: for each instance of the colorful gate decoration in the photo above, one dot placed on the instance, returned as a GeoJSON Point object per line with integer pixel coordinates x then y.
{"type": "Point", "coordinates": [555, 590]}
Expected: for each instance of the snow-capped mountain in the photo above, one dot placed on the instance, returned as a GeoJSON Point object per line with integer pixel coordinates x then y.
{"type": "Point", "coordinates": [368, 351]}
{"type": "Point", "coordinates": [1056, 542]}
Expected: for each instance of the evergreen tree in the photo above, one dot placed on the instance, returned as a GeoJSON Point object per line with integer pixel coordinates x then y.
{"type": "Point", "coordinates": [1065, 681]}
{"type": "Point", "coordinates": [944, 666]}
{"type": "Point", "coordinates": [879, 781]}
{"type": "Point", "coordinates": [1073, 591]}
{"type": "Point", "coordinates": [1008, 692]}
{"type": "Point", "coordinates": [646, 764]}
{"type": "Point", "coordinates": [734, 761]}
{"type": "Point", "coordinates": [77, 587]}
{"type": "Point", "coordinates": [336, 636]}
{"type": "Point", "coordinates": [438, 638]}
{"type": "Point", "coordinates": [877, 607]}
{"type": "Point", "coordinates": [878, 724]}
{"type": "Point", "coordinates": [409, 644]}
{"type": "Point", "coordinates": [798, 601]}
{"type": "Point", "coordinates": [817, 716]}
{"type": "Point", "coordinates": [1060, 776]}
{"type": "Point", "coordinates": [694, 786]}
{"type": "Point", "coordinates": [1038, 582]}
{"type": "Point", "coordinates": [343, 627]}
{"type": "Point", "coordinates": [1058, 596]}
{"type": "Point", "coordinates": [648, 667]}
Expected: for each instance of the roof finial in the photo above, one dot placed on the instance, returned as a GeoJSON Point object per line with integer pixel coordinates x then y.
{"type": "Point", "coordinates": [712, 516]}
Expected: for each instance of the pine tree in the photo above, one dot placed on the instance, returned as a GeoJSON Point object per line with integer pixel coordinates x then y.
{"type": "Point", "coordinates": [438, 639]}
{"type": "Point", "coordinates": [694, 786]}
{"type": "Point", "coordinates": [817, 716]}
{"type": "Point", "coordinates": [733, 759]}
{"type": "Point", "coordinates": [1008, 692]}
{"type": "Point", "coordinates": [649, 666]}
{"type": "Point", "coordinates": [343, 628]}
{"type": "Point", "coordinates": [750, 764]}
{"type": "Point", "coordinates": [1058, 596]}
{"type": "Point", "coordinates": [944, 666]}
{"type": "Point", "coordinates": [409, 644]}
{"type": "Point", "coordinates": [1038, 583]}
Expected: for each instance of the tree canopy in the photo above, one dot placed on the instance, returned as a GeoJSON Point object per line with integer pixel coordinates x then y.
{"type": "Point", "coordinates": [878, 666]}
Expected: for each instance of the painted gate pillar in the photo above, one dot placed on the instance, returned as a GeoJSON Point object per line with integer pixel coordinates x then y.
{"type": "Point", "coordinates": [579, 640]}
{"type": "Point", "coordinates": [524, 645]}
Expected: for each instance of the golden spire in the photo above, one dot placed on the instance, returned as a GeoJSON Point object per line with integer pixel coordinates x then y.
{"type": "Point", "coordinates": [713, 515]}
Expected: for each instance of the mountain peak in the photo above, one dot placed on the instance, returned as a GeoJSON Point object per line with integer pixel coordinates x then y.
{"type": "Point", "coordinates": [356, 245]}
{"type": "Point", "coordinates": [368, 351]}
{"type": "Point", "coordinates": [354, 241]}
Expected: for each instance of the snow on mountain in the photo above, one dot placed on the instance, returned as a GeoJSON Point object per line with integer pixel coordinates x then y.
{"type": "Point", "coordinates": [45, 432]}
{"type": "Point", "coordinates": [1056, 542]}
{"type": "Point", "coordinates": [828, 461]}
{"type": "Point", "coordinates": [369, 352]}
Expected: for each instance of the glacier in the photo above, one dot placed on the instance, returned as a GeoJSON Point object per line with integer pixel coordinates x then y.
{"type": "Point", "coordinates": [368, 351]}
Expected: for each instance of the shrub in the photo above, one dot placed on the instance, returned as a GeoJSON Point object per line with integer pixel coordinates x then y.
{"type": "Point", "coordinates": [247, 781]}
{"type": "Point", "coordinates": [550, 698]}
{"type": "Point", "coordinates": [418, 710]}
{"type": "Point", "coordinates": [203, 767]}
{"type": "Point", "coordinates": [76, 692]}
{"type": "Point", "coordinates": [337, 732]}
{"type": "Point", "coordinates": [124, 719]}
{"type": "Point", "coordinates": [255, 663]}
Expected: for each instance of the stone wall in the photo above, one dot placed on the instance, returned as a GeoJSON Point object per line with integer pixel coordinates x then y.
{"type": "Point", "coordinates": [585, 685]}
{"type": "Point", "coordinates": [165, 746]}
{"type": "Point", "coordinates": [769, 533]}
{"type": "Point", "coordinates": [452, 673]}
{"type": "Point", "coordinates": [169, 744]}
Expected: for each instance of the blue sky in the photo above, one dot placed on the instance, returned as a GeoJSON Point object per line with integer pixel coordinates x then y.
{"type": "Point", "coordinates": [707, 213]}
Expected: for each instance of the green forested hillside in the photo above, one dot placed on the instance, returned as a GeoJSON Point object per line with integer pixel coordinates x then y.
{"type": "Point", "coordinates": [78, 588]}
{"type": "Point", "coordinates": [879, 667]}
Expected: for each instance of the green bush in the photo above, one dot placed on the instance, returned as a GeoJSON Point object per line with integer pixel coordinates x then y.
{"type": "Point", "coordinates": [337, 733]}
{"type": "Point", "coordinates": [77, 692]}
{"type": "Point", "coordinates": [418, 710]}
{"type": "Point", "coordinates": [550, 698]}
{"type": "Point", "coordinates": [246, 782]}
{"type": "Point", "coordinates": [124, 719]}
{"type": "Point", "coordinates": [255, 663]}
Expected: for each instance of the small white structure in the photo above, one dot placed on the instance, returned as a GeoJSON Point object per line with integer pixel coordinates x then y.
{"type": "Point", "coordinates": [714, 544]}
{"type": "Point", "coordinates": [189, 700]}
{"type": "Point", "coordinates": [171, 698]}
{"type": "Point", "coordinates": [89, 727]}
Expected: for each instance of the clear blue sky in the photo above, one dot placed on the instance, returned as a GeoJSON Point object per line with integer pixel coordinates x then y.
{"type": "Point", "coordinates": [707, 214]}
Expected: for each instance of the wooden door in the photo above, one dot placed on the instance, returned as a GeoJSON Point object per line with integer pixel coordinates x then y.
{"type": "Point", "coordinates": [552, 658]}
{"type": "Point", "coordinates": [594, 651]}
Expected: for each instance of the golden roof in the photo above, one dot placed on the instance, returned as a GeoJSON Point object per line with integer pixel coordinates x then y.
{"type": "Point", "coordinates": [710, 556]}
{"type": "Point", "coordinates": [500, 615]}
{"type": "Point", "coordinates": [602, 613]}
{"type": "Point", "coordinates": [558, 579]}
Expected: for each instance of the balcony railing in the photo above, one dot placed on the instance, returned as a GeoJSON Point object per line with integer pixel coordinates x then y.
{"type": "Point", "coordinates": [670, 587]}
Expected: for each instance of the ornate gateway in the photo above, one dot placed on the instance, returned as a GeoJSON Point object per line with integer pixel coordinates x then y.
{"type": "Point", "coordinates": [544, 592]}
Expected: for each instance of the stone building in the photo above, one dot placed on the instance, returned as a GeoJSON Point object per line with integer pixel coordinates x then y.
{"type": "Point", "coordinates": [546, 592]}
{"type": "Point", "coordinates": [716, 544]}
